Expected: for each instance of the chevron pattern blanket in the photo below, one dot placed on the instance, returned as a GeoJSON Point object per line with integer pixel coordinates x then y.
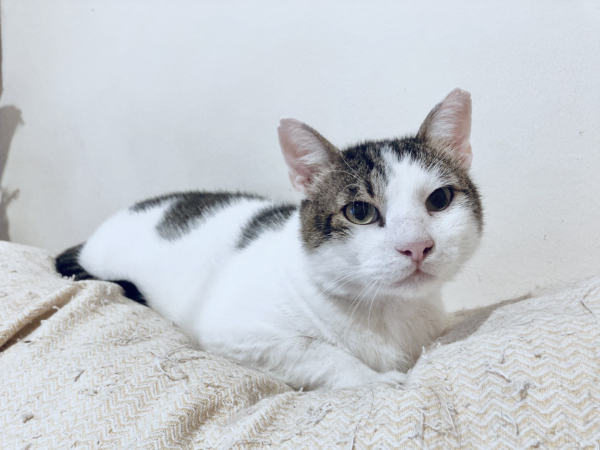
{"type": "Point", "coordinates": [83, 367]}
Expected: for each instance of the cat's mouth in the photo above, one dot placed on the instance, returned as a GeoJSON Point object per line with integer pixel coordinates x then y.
{"type": "Point", "coordinates": [416, 278]}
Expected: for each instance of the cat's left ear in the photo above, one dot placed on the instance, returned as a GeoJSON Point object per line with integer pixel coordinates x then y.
{"type": "Point", "coordinates": [306, 152]}
{"type": "Point", "coordinates": [448, 126]}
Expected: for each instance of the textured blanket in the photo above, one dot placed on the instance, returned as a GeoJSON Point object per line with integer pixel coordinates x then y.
{"type": "Point", "coordinates": [83, 367]}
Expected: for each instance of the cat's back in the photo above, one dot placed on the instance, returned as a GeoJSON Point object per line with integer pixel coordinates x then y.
{"type": "Point", "coordinates": [178, 241]}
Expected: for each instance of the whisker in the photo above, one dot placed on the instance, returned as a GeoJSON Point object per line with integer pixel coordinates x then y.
{"type": "Point", "coordinates": [361, 298]}
{"type": "Point", "coordinates": [372, 300]}
{"type": "Point", "coordinates": [343, 276]}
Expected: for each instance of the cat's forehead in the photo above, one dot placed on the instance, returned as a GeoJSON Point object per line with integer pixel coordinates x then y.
{"type": "Point", "coordinates": [393, 165]}
{"type": "Point", "coordinates": [406, 177]}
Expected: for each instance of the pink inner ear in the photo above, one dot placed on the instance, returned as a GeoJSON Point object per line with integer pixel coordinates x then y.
{"type": "Point", "coordinates": [449, 125]}
{"type": "Point", "coordinates": [298, 181]}
{"type": "Point", "coordinates": [466, 158]}
{"type": "Point", "coordinates": [304, 150]}
{"type": "Point", "coordinates": [291, 152]}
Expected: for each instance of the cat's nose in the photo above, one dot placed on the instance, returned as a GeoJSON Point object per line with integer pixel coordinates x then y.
{"type": "Point", "coordinates": [417, 251]}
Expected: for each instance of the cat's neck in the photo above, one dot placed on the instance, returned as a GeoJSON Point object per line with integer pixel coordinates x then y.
{"type": "Point", "coordinates": [385, 331]}
{"type": "Point", "coordinates": [372, 309]}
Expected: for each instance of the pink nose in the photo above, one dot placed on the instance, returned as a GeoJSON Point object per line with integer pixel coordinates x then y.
{"type": "Point", "coordinates": [418, 251]}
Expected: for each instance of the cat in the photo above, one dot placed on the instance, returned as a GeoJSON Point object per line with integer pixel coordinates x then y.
{"type": "Point", "coordinates": [339, 291]}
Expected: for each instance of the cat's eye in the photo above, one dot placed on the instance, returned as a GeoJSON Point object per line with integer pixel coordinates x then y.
{"type": "Point", "coordinates": [361, 213]}
{"type": "Point", "coordinates": [439, 199]}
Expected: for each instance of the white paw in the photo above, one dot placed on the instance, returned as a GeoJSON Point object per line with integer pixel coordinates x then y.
{"type": "Point", "coordinates": [392, 377]}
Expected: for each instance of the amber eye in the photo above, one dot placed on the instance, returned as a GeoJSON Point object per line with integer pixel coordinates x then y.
{"type": "Point", "coordinates": [439, 199]}
{"type": "Point", "coordinates": [361, 213]}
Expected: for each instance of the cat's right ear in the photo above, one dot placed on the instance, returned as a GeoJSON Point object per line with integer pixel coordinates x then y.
{"type": "Point", "coordinates": [305, 151]}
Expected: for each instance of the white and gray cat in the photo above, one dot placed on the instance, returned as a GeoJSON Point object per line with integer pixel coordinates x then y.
{"type": "Point", "coordinates": [341, 290]}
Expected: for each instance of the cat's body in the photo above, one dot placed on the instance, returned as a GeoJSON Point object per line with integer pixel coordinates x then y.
{"type": "Point", "coordinates": [340, 291]}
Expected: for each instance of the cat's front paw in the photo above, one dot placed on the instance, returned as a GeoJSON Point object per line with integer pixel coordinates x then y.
{"type": "Point", "coordinates": [392, 377]}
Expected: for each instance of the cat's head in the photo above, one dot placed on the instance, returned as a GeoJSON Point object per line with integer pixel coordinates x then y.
{"type": "Point", "coordinates": [386, 218]}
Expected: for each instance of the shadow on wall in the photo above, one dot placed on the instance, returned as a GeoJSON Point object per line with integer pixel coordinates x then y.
{"type": "Point", "coordinates": [10, 118]}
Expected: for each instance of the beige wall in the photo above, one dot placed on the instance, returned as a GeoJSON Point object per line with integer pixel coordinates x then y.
{"type": "Point", "coordinates": [125, 99]}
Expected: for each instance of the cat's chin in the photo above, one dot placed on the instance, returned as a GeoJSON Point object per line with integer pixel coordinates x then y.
{"type": "Point", "coordinates": [415, 285]}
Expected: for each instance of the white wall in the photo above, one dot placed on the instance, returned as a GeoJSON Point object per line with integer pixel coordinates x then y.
{"type": "Point", "coordinates": [121, 100]}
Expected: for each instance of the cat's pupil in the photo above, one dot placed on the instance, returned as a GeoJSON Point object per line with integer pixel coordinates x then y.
{"type": "Point", "coordinates": [439, 199]}
{"type": "Point", "coordinates": [360, 210]}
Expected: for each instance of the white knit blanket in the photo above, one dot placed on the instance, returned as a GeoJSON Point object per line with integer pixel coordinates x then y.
{"type": "Point", "coordinates": [81, 366]}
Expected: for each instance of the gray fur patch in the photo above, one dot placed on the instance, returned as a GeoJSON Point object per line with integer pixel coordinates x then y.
{"type": "Point", "coordinates": [187, 209]}
{"type": "Point", "coordinates": [272, 217]}
{"type": "Point", "coordinates": [67, 264]}
{"type": "Point", "coordinates": [357, 174]}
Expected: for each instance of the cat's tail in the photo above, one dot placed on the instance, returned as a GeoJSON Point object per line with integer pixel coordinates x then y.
{"type": "Point", "coordinates": [67, 264]}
